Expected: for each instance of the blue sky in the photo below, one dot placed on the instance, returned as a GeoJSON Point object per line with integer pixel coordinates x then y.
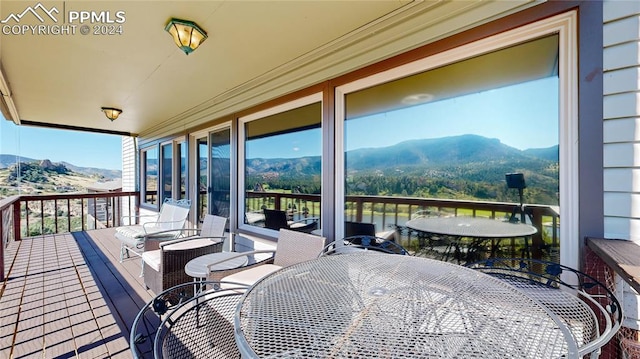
{"type": "Point", "coordinates": [79, 148]}
{"type": "Point", "coordinates": [522, 116]}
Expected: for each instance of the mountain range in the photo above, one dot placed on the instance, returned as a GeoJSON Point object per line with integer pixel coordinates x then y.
{"type": "Point", "coordinates": [466, 166]}
{"type": "Point", "coordinates": [8, 160]}
{"type": "Point", "coordinates": [419, 155]}
{"type": "Point", "coordinates": [462, 163]}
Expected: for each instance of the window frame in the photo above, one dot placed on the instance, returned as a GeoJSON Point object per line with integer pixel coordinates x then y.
{"type": "Point", "coordinates": [194, 166]}
{"type": "Point", "coordinates": [176, 144]}
{"type": "Point", "coordinates": [290, 105]}
{"type": "Point", "coordinates": [565, 25]}
{"type": "Point", "coordinates": [143, 177]}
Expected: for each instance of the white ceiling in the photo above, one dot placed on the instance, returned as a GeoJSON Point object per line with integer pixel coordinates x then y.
{"type": "Point", "coordinates": [253, 52]}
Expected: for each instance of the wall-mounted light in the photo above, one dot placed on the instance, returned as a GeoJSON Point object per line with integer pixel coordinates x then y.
{"type": "Point", "coordinates": [111, 113]}
{"type": "Point", "coordinates": [186, 34]}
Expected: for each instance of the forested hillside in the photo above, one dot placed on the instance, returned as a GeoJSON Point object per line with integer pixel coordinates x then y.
{"type": "Point", "coordinates": [460, 167]}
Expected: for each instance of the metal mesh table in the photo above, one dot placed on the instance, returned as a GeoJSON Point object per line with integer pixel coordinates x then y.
{"type": "Point", "coordinates": [476, 229]}
{"type": "Point", "coordinates": [368, 305]}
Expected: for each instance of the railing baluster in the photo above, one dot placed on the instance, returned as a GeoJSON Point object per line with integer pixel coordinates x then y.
{"type": "Point", "coordinates": [55, 214]}
{"type": "Point", "coordinates": [26, 211]}
{"type": "Point", "coordinates": [41, 216]}
{"type": "Point", "coordinates": [95, 212]}
{"type": "Point", "coordinates": [69, 213]}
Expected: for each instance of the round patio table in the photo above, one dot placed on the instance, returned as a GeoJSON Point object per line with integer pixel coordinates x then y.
{"type": "Point", "coordinates": [477, 229]}
{"type": "Point", "coordinates": [370, 305]}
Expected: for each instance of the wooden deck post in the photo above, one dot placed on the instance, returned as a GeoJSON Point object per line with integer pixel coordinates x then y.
{"type": "Point", "coordinates": [16, 221]}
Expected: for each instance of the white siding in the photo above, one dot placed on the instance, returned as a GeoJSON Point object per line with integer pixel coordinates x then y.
{"type": "Point", "coordinates": [621, 111]}
{"type": "Point", "coordinates": [621, 132]}
{"type": "Point", "coordinates": [128, 169]}
{"type": "Point", "coordinates": [128, 164]}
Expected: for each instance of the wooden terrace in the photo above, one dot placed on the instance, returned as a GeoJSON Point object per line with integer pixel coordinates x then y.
{"type": "Point", "coordinates": [67, 296]}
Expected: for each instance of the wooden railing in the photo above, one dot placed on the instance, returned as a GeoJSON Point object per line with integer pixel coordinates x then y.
{"type": "Point", "coordinates": [394, 212]}
{"type": "Point", "coordinates": [24, 216]}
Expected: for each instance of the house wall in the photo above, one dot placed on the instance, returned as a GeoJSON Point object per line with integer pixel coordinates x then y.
{"type": "Point", "coordinates": [128, 164]}
{"type": "Point", "coordinates": [621, 125]}
{"type": "Point", "coordinates": [621, 138]}
{"type": "Point", "coordinates": [129, 171]}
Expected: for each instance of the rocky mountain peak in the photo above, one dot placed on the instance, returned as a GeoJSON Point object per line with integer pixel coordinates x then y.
{"type": "Point", "coordinates": [47, 165]}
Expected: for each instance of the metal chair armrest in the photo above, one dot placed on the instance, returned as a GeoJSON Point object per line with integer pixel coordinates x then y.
{"type": "Point", "coordinates": [137, 218]}
{"type": "Point", "coordinates": [149, 225]}
{"type": "Point", "coordinates": [305, 220]}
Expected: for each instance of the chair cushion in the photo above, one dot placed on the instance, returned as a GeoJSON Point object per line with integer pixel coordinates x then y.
{"type": "Point", "coordinates": [189, 244]}
{"type": "Point", "coordinates": [128, 240]}
{"type": "Point", "coordinates": [152, 259]}
{"type": "Point", "coordinates": [135, 231]}
{"type": "Point", "coordinates": [251, 275]}
{"type": "Point", "coordinates": [133, 236]}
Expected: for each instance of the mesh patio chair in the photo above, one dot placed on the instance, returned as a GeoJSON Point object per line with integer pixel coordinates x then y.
{"type": "Point", "coordinates": [177, 325]}
{"type": "Point", "coordinates": [591, 311]}
{"type": "Point", "coordinates": [201, 328]}
{"type": "Point", "coordinates": [359, 243]}
{"type": "Point", "coordinates": [293, 247]}
{"type": "Point", "coordinates": [276, 219]}
{"type": "Point", "coordinates": [166, 225]}
{"type": "Point", "coordinates": [367, 229]}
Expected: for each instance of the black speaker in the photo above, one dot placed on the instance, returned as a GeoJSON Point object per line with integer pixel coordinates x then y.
{"type": "Point", "coordinates": [515, 180]}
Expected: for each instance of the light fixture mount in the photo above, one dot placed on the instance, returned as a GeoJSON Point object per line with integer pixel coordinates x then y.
{"type": "Point", "coordinates": [112, 113]}
{"type": "Point", "coordinates": [186, 34]}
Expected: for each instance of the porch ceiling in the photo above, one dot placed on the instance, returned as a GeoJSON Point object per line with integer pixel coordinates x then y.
{"type": "Point", "coordinates": [255, 51]}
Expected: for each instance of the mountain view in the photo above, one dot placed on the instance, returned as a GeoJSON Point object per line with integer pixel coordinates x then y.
{"type": "Point", "coordinates": [458, 167]}
{"type": "Point", "coordinates": [45, 177]}
{"type": "Point", "coordinates": [469, 167]}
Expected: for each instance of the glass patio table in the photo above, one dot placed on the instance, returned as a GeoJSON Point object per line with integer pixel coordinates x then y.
{"type": "Point", "coordinates": [370, 305]}
{"type": "Point", "coordinates": [477, 229]}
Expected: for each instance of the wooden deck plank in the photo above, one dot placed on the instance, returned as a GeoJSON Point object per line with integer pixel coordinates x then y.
{"type": "Point", "coordinates": [59, 337]}
{"type": "Point", "coordinates": [29, 338]}
{"type": "Point", "coordinates": [67, 296]}
{"type": "Point", "coordinates": [122, 297]}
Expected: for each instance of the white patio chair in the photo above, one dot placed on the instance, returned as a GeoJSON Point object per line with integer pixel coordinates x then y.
{"type": "Point", "coordinates": [166, 225]}
{"type": "Point", "coordinates": [293, 247]}
{"type": "Point", "coordinates": [212, 226]}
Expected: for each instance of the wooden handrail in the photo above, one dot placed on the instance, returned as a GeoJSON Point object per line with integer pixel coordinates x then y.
{"type": "Point", "coordinates": [15, 213]}
{"type": "Point", "coordinates": [358, 204]}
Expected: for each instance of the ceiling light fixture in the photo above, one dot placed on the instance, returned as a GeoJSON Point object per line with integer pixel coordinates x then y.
{"type": "Point", "coordinates": [186, 34]}
{"type": "Point", "coordinates": [111, 113]}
